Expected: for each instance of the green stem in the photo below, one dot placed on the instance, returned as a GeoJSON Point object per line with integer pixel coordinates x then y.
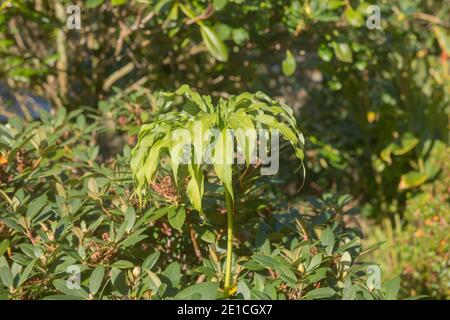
{"type": "Point", "coordinates": [229, 203]}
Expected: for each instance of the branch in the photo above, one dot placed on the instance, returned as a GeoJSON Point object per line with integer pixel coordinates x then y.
{"type": "Point", "coordinates": [115, 76]}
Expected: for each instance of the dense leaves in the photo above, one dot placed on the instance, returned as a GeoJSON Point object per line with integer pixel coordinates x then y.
{"type": "Point", "coordinates": [71, 228]}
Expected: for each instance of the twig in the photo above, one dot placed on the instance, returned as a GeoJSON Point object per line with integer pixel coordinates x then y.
{"type": "Point", "coordinates": [115, 76]}
{"type": "Point", "coordinates": [62, 62]}
{"type": "Point", "coordinates": [197, 251]}
{"type": "Point", "coordinates": [205, 15]}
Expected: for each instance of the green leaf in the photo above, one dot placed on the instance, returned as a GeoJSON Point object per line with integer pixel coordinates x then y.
{"type": "Point", "coordinates": [154, 279]}
{"type": "Point", "coordinates": [320, 293]}
{"type": "Point", "coordinates": [203, 291]}
{"type": "Point", "coordinates": [223, 159]}
{"type": "Point", "coordinates": [95, 281]}
{"type": "Point", "coordinates": [26, 273]}
{"type": "Point", "coordinates": [343, 51]}
{"type": "Point", "coordinates": [350, 292]}
{"type": "Point", "coordinates": [130, 218]}
{"type": "Point", "coordinates": [122, 264]}
{"type": "Point", "coordinates": [173, 273]}
{"type": "Point", "coordinates": [286, 274]}
{"type": "Point", "coordinates": [245, 133]}
{"type": "Point", "coordinates": [93, 3]}
{"type": "Point", "coordinates": [176, 154]}
{"type": "Point", "coordinates": [272, 122]}
{"type": "Point", "coordinates": [152, 161]}
{"type": "Point", "coordinates": [327, 239]}
{"type": "Point", "coordinates": [208, 236]}
{"type": "Point", "coordinates": [325, 53]}
{"type": "Point", "coordinates": [251, 265]}
{"type": "Point", "coordinates": [195, 187]}
{"type": "Point", "coordinates": [286, 132]}
{"type": "Point", "coordinates": [92, 185]}
{"type": "Point", "coordinates": [289, 64]}
{"type": "Point", "coordinates": [399, 147]}
{"type": "Point", "coordinates": [118, 2]}
{"type": "Point", "coordinates": [132, 240]}
{"type": "Point", "coordinates": [219, 4]}
{"type": "Point", "coordinates": [223, 31]}
{"type": "Point", "coordinates": [240, 35]}
{"type": "Point", "coordinates": [390, 289]}
{"type": "Point", "coordinates": [266, 261]}
{"type": "Point", "coordinates": [215, 46]}
{"type": "Point", "coordinates": [4, 246]}
{"type": "Point", "coordinates": [315, 262]}
{"type": "Point", "coordinates": [61, 285]}
{"type": "Point", "coordinates": [151, 260]}
{"type": "Point", "coordinates": [405, 144]}
{"type": "Point", "coordinates": [353, 17]}
{"type": "Point", "coordinates": [161, 212]}
{"type": "Point", "coordinates": [412, 179]}
{"type": "Point", "coordinates": [7, 277]}
{"type": "Point", "coordinates": [119, 281]}
{"type": "Point", "coordinates": [244, 289]}
{"type": "Point", "coordinates": [195, 97]}
{"type": "Point", "coordinates": [177, 217]}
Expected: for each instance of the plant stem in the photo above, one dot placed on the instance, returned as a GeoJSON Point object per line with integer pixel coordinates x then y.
{"type": "Point", "coordinates": [229, 203]}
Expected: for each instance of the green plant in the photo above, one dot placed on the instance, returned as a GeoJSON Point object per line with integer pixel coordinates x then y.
{"type": "Point", "coordinates": [243, 114]}
{"type": "Point", "coordinates": [374, 102]}
{"type": "Point", "coordinates": [64, 207]}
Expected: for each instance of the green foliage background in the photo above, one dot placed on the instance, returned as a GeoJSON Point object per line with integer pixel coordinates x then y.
{"type": "Point", "coordinates": [372, 104]}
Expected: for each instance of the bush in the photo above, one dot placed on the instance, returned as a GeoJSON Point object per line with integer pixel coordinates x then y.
{"type": "Point", "coordinates": [62, 210]}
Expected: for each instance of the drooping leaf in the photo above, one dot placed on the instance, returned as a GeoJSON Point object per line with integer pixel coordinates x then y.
{"type": "Point", "coordinates": [223, 159]}
{"type": "Point", "coordinates": [195, 187]}
{"type": "Point", "coordinates": [152, 161]}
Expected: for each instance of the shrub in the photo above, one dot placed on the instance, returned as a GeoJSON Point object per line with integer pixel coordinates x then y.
{"type": "Point", "coordinates": [63, 211]}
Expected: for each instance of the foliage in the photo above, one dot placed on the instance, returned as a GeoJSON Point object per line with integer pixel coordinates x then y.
{"type": "Point", "coordinates": [419, 249]}
{"type": "Point", "coordinates": [192, 128]}
{"type": "Point", "coordinates": [65, 209]}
